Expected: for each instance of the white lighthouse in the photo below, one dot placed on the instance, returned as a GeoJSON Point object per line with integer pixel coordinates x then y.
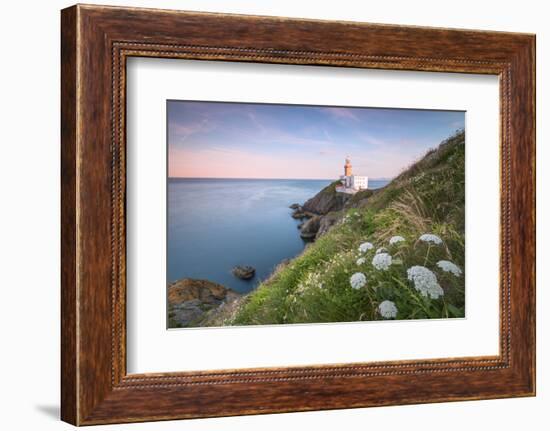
{"type": "Point", "coordinates": [352, 183]}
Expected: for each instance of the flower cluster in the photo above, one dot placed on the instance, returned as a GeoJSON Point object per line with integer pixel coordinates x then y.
{"type": "Point", "coordinates": [335, 261]}
{"type": "Point", "coordinates": [358, 280]}
{"type": "Point", "coordinates": [387, 309]}
{"type": "Point", "coordinates": [367, 272]}
{"type": "Point", "coordinates": [313, 279]}
{"type": "Point", "coordinates": [381, 261]}
{"type": "Point", "coordinates": [395, 239]}
{"type": "Point", "coordinates": [349, 218]}
{"type": "Point", "coordinates": [447, 266]}
{"type": "Point", "coordinates": [431, 238]}
{"type": "Point", "coordinates": [425, 281]}
{"type": "Point", "coordinates": [366, 246]}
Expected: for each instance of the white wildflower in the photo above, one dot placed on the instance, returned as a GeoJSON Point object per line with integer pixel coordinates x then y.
{"type": "Point", "coordinates": [381, 250]}
{"type": "Point", "coordinates": [312, 280]}
{"type": "Point", "coordinates": [435, 291]}
{"type": "Point", "coordinates": [424, 281]}
{"type": "Point", "coordinates": [381, 261]}
{"type": "Point", "coordinates": [447, 266]}
{"type": "Point", "coordinates": [366, 246]}
{"type": "Point", "coordinates": [358, 280]}
{"type": "Point", "coordinates": [431, 238]}
{"type": "Point", "coordinates": [387, 309]}
{"type": "Point", "coordinates": [360, 261]}
{"type": "Point", "coordinates": [395, 239]}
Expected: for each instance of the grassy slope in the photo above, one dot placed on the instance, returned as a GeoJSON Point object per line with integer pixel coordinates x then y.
{"type": "Point", "coordinates": [315, 287]}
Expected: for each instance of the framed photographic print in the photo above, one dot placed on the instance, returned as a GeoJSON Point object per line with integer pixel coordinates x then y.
{"type": "Point", "coordinates": [235, 172]}
{"type": "Point", "coordinates": [324, 214]}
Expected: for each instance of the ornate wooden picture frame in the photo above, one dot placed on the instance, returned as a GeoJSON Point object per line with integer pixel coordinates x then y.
{"type": "Point", "coordinates": [96, 41]}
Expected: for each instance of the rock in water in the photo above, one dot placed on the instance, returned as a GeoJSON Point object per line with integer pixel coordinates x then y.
{"type": "Point", "coordinates": [245, 272]}
{"type": "Point", "coordinates": [300, 214]}
{"type": "Point", "coordinates": [294, 206]}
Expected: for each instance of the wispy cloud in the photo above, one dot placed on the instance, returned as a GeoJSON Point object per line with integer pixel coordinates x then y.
{"type": "Point", "coordinates": [369, 139]}
{"type": "Point", "coordinates": [341, 113]}
{"type": "Point", "coordinates": [327, 135]}
{"type": "Point", "coordinates": [183, 131]}
{"type": "Point", "coordinates": [256, 121]}
{"type": "Point", "coordinates": [288, 141]}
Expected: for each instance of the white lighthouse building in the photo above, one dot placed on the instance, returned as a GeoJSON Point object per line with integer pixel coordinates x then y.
{"type": "Point", "coordinates": [351, 183]}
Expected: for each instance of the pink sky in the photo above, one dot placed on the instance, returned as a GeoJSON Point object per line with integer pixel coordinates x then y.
{"type": "Point", "coordinates": [243, 140]}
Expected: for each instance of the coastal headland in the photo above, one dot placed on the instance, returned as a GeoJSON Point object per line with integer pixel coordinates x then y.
{"type": "Point", "coordinates": [346, 233]}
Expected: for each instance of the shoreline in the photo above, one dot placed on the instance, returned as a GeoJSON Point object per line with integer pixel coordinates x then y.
{"type": "Point", "coordinates": [214, 225]}
{"type": "Point", "coordinates": [362, 241]}
{"type": "Point", "coordinates": [202, 302]}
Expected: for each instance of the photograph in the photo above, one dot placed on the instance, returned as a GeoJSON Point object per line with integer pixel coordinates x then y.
{"type": "Point", "coordinates": [275, 215]}
{"type": "Point", "coordinates": [300, 214]}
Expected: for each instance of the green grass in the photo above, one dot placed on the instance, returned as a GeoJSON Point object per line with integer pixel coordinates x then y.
{"type": "Point", "coordinates": [331, 188]}
{"type": "Point", "coordinates": [428, 197]}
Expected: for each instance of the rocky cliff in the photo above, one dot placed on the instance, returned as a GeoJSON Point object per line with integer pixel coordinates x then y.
{"type": "Point", "coordinates": [326, 200]}
{"type": "Point", "coordinates": [324, 209]}
{"type": "Point", "coordinates": [193, 302]}
{"type": "Point", "coordinates": [316, 286]}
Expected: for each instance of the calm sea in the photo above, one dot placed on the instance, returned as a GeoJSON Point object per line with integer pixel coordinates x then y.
{"type": "Point", "coordinates": [215, 224]}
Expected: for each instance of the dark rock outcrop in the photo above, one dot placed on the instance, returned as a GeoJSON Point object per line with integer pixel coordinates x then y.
{"type": "Point", "coordinates": [326, 200]}
{"type": "Point", "coordinates": [325, 209]}
{"type": "Point", "coordinates": [192, 301]}
{"type": "Point", "coordinates": [327, 222]}
{"type": "Point", "coordinates": [309, 228]}
{"type": "Point", "coordinates": [245, 272]}
{"type": "Point", "coordinates": [300, 214]}
{"type": "Point", "coordinates": [316, 209]}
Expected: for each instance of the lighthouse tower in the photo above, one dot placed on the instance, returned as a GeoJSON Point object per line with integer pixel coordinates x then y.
{"type": "Point", "coordinates": [351, 183]}
{"type": "Point", "coordinates": [347, 167]}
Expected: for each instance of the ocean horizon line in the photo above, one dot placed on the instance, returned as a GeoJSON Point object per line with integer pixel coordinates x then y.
{"type": "Point", "coordinates": [268, 179]}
